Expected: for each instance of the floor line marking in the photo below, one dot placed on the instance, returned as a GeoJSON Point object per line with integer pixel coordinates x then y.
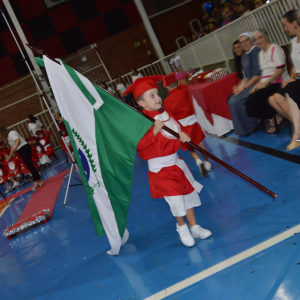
{"type": "Point", "coordinates": [263, 149]}
{"type": "Point", "coordinates": [224, 264]}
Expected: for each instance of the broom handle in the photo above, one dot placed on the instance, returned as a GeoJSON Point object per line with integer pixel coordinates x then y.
{"type": "Point", "coordinates": [225, 165]}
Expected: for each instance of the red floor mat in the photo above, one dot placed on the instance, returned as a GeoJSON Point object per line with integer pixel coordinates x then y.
{"type": "Point", "coordinates": [39, 207]}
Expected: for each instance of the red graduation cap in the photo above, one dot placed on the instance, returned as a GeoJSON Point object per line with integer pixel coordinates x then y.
{"type": "Point", "coordinates": [174, 77]}
{"type": "Point", "coordinates": [142, 85]}
{"type": "Point", "coordinates": [5, 151]}
{"type": "Point", "coordinates": [28, 139]}
{"type": "Point", "coordinates": [62, 126]}
{"type": "Point", "coordinates": [39, 131]}
{"type": "Point", "coordinates": [33, 138]}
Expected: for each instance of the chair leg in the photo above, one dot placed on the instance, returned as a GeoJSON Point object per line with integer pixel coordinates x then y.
{"type": "Point", "coordinates": [263, 125]}
{"type": "Point", "coordinates": [276, 125]}
{"type": "Point", "coordinates": [290, 128]}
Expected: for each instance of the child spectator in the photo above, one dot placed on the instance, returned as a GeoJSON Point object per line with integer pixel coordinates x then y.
{"type": "Point", "coordinates": [108, 88]}
{"type": "Point", "coordinates": [63, 147]}
{"type": "Point", "coordinates": [169, 176]}
{"type": "Point", "coordinates": [3, 177]}
{"type": "Point", "coordinates": [181, 106]}
{"type": "Point", "coordinates": [40, 152]}
{"type": "Point", "coordinates": [44, 140]}
{"type": "Point", "coordinates": [14, 172]}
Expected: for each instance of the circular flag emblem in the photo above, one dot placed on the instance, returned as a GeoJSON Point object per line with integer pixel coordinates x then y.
{"type": "Point", "coordinates": [85, 164]}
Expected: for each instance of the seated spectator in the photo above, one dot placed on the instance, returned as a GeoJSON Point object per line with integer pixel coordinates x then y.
{"type": "Point", "coordinates": [212, 26]}
{"type": "Point", "coordinates": [13, 169]}
{"type": "Point", "coordinates": [243, 124]}
{"type": "Point", "coordinates": [68, 142]}
{"type": "Point", "coordinates": [207, 28]}
{"type": "Point", "coordinates": [3, 177]}
{"type": "Point", "coordinates": [203, 32]}
{"type": "Point", "coordinates": [272, 63]}
{"type": "Point", "coordinates": [205, 18]}
{"type": "Point", "coordinates": [249, 6]}
{"type": "Point", "coordinates": [43, 136]}
{"type": "Point", "coordinates": [241, 8]}
{"type": "Point", "coordinates": [121, 87]}
{"type": "Point", "coordinates": [135, 74]}
{"type": "Point", "coordinates": [195, 35]}
{"type": "Point", "coordinates": [33, 124]}
{"type": "Point", "coordinates": [227, 16]}
{"type": "Point", "coordinates": [108, 88]}
{"type": "Point", "coordinates": [257, 4]}
{"type": "Point", "coordinates": [238, 52]}
{"type": "Point", "coordinates": [287, 100]}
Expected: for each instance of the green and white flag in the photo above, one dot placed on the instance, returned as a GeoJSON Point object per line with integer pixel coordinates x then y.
{"type": "Point", "coordinates": [104, 133]}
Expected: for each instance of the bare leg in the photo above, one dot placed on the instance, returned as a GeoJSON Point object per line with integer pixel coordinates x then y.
{"type": "Point", "coordinates": [295, 113]}
{"type": "Point", "coordinates": [18, 179]}
{"type": "Point", "coordinates": [12, 180]}
{"type": "Point", "coordinates": [203, 155]}
{"type": "Point", "coordinates": [180, 221]}
{"type": "Point", "coordinates": [194, 154]}
{"type": "Point", "coordinates": [190, 216]}
{"type": "Point", "coordinates": [281, 105]}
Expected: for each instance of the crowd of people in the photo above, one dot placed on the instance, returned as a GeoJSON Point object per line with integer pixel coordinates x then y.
{"type": "Point", "coordinates": [268, 86]}
{"type": "Point", "coordinates": [222, 14]}
{"type": "Point", "coordinates": [23, 160]}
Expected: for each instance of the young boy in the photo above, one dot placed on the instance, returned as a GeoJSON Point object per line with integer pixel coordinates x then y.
{"type": "Point", "coordinates": [3, 176]}
{"type": "Point", "coordinates": [39, 150]}
{"type": "Point", "coordinates": [44, 140]}
{"type": "Point", "coordinates": [169, 176]}
{"type": "Point", "coordinates": [14, 172]}
{"type": "Point", "coordinates": [181, 106]}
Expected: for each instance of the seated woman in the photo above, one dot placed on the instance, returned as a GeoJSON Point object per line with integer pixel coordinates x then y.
{"type": "Point", "coordinates": [242, 124]}
{"type": "Point", "coordinates": [108, 88]}
{"type": "Point", "coordinates": [287, 100]}
{"type": "Point", "coordinates": [273, 65]}
{"type": "Point", "coordinates": [135, 74]}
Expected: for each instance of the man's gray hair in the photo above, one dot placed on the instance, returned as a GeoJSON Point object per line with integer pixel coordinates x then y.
{"type": "Point", "coordinates": [260, 30]}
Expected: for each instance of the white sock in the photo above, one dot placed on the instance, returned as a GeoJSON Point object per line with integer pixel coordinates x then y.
{"type": "Point", "coordinates": [199, 162]}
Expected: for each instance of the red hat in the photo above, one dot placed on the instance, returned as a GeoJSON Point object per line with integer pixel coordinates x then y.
{"type": "Point", "coordinates": [33, 138]}
{"type": "Point", "coordinates": [174, 77]}
{"type": "Point", "coordinates": [142, 85]}
{"type": "Point", "coordinates": [5, 151]}
{"type": "Point", "coordinates": [62, 126]}
{"type": "Point", "coordinates": [28, 139]}
{"type": "Point", "coordinates": [39, 131]}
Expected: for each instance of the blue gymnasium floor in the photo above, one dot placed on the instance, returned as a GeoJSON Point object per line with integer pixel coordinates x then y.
{"type": "Point", "coordinates": [64, 259]}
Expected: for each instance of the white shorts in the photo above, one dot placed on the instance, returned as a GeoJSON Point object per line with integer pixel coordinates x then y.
{"type": "Point", "coordinates": [180, 204]}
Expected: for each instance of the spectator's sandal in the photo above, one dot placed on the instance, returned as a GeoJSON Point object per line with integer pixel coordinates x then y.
{"type": "Point", "coordinates": [273, 129]}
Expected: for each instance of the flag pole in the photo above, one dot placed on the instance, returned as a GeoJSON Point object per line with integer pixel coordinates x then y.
{"type": "Point", "coordinates": [40, 53]}
{"type": "Point", "coordinates": [41, 96]}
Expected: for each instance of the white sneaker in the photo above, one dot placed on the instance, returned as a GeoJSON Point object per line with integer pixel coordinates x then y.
{"type": "Point", "coordinates": [16, 183]}
{"type": "Point", "coordinates": [200, 233]}
{"type": "Point", "coordinates": [185, 235]}
{"type": "Point", "coordinates": [207, 165]}
{"type": "Point", "coordinates": [7, 191]}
